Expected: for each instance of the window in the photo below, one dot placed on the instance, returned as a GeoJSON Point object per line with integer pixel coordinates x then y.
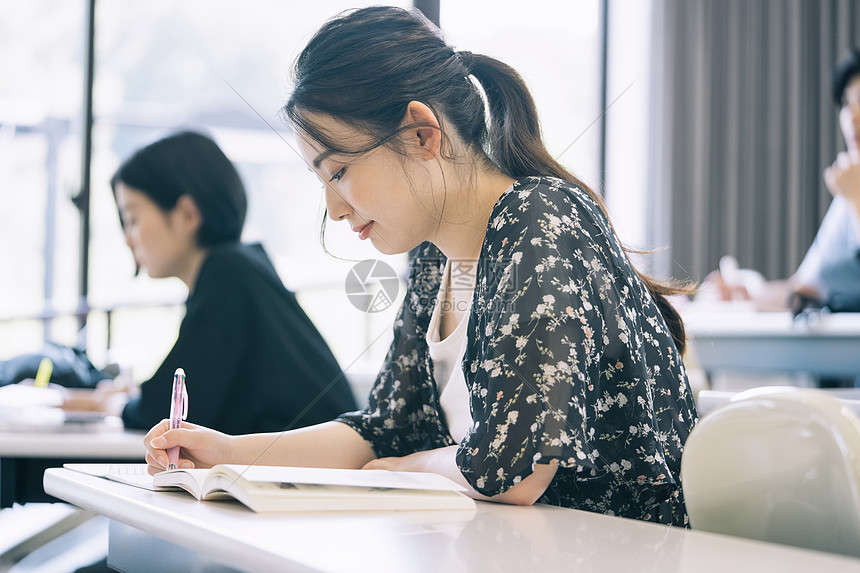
{"type": "Point", "coordinates": [40, 100]}
{"type": "Point", "coordinates": [555, 46]}
{"type": "Point", "coordinates": [162, 66]}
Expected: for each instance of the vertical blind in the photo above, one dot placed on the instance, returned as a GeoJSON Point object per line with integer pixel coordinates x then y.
{"type": "Point", "coordinates": [744, 126]}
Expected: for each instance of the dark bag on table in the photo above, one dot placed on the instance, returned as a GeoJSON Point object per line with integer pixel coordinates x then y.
{"type": "Point", "coordinates": [72, 368]}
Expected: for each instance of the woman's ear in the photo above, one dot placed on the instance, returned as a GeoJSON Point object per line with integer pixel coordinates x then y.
{"type": "Point", "coordinates": [187, 214]}
{"type": "Point", "coordinates": [425, 135]}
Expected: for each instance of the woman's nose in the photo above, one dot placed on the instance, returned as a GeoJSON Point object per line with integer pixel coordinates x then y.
{"type": "Point", "coordinates": [337, 208]}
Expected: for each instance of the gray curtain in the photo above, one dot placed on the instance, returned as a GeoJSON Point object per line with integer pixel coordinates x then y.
{"type": "Point", "coordinates": [743, 126]}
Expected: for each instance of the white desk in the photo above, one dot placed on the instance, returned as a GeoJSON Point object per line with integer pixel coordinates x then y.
{"type": "Point", "coordinates": [731, 337]}
{"type": "Point", "coordinates": [24, 456]}
{"type": "Point", "coordinates": [172, 531]}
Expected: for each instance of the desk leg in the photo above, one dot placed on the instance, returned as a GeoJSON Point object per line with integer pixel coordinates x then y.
{"type": "Point", "coordinates": [21, 478]}
{"type": "Point", "coordinates": [8, 483]}
{"type": "Point", "coordinates": [133, 551]}
{"type": "Point", "coordinates": [51, 521]}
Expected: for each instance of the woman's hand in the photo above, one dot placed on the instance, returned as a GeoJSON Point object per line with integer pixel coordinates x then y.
{"type": "Point", "coordinates": [417, 462]}
{"type": "Point", "coordinates": [105, 397]}
{"type": "Point", "coordinates": [716, 287]}
{"type": "Point", "coordinates": [199, 447]}
{"type": "Point", "coordinates": [843, 177]}
{"type": "Point", "coordinates": [443, 461]}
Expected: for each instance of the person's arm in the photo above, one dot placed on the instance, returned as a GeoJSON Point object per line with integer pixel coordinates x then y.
{"type": "Point", "coordinates": [843, 178]}
{"type": "Point", "coordinates": [443, 461]}
{"type": "Point", "coordinates": [831, 241]}
{"type": "Point", "coordinates": [572, 370]}
{"type": "Point", "coordinates": [331, 444]}
{"type": "Point", "coordinates": [399, 419]}
{"type": "Point", "coordinates": [105, 397]}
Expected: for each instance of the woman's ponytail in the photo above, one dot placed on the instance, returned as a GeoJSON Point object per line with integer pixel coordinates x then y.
{"type": "Point", "coordinates": [514, 139]}
{"type": "Point", "coordinates": [515, 144]}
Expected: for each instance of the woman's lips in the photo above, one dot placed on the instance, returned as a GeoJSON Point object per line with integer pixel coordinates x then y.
{"type": "Point", "coordinates": [364, 230]}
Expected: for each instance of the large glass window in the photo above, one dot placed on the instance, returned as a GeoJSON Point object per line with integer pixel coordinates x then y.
{"type": "Point", "coordinates": [41, 44]}
{"type": "Point", "coordinates": [222, 69]}
{"type": "Point", "coordinates": [629, 89]}
{"type": "Point", "coordinates": [555, 46]}
{"type": "Point", "coordinates": [162, 66]}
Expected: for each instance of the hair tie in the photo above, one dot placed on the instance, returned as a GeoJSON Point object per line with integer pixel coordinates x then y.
{"type": "Point", "coordinates": [466, 59]}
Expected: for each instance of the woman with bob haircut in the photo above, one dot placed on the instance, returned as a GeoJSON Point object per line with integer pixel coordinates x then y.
{"type": "Point", "coordinates": [254, 360]}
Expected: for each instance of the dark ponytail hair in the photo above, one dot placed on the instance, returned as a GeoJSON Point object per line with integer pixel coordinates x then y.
{"type": "Point", "coordinates": [365, 66]}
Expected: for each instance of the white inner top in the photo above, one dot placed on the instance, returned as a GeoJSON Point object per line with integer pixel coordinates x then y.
{"type": "Point", "coordinates": [447, 356]}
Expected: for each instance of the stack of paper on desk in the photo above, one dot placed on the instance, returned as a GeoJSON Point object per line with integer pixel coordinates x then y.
{"type": "Point", "coordinates": [277, 488]}
{"type": "Point", "coordinates": [27, 408]}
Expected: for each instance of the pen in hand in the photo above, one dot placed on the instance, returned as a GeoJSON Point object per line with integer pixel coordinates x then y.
{"type": "Point", "coordinates": [178, 412]}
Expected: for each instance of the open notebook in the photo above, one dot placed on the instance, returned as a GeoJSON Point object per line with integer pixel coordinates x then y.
{"type": "Point", "coordinates": [277, 488]}
{"type": "Point", "coordinates": [130, 474]}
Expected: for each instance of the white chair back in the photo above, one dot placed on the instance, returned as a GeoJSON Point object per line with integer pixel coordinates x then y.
{"type": "Point", "coordinates": [777, 464]}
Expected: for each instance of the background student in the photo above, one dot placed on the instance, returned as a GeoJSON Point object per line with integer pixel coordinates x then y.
{"type": "Point", "coordinates": [254, 360]}
{"type": "Point", "coordinates": [830, 271]}
{"type": "Point", "coordinates": [546, 369]}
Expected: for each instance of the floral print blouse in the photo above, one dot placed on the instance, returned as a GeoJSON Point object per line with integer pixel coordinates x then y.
{"type": "Point", "coordinates": [568, 362]}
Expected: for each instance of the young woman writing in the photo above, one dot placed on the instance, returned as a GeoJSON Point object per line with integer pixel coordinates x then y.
{"type": "Point", "coordinates": [530, 361]}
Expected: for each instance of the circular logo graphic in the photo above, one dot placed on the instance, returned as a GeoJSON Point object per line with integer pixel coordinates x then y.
{"type": "Point", "coordinates": [371, 285]}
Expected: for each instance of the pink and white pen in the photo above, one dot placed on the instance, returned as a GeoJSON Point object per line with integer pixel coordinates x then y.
{"type": "Point", "coordinates": [178, 412]}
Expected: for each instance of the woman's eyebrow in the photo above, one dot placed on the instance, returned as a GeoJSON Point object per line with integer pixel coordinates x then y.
{"type": "Point", "coordinates": [319, 158]}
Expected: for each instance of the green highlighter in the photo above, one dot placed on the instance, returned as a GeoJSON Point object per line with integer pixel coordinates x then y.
{"type": "Point", "coordinates": [43, 374]}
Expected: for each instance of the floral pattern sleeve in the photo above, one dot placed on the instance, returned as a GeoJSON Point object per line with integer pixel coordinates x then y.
{"type": "Point", "coordinates": [403, 413]}
{"type": "Point", "coordinates": [570, 363]}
